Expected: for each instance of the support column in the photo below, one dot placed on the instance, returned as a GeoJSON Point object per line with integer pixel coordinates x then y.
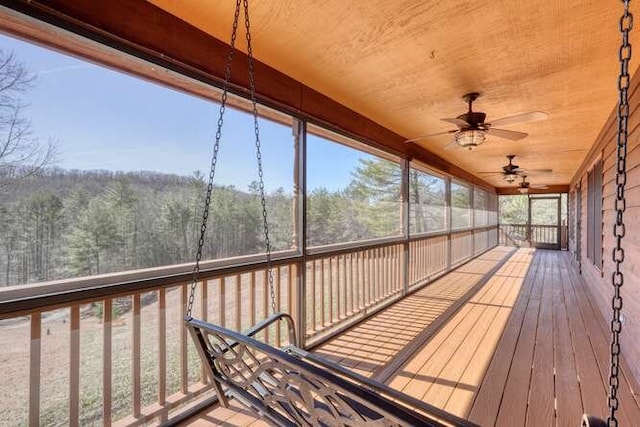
{"type": "Point", "coordinates": [405, 225]}
{"type": "Point", "coordinates": [299, 129]}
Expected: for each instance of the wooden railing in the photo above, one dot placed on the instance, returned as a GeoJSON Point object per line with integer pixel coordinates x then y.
{"type": "Point", "coordinates": [113, 349]}
{"type": "Point", "coordinates": [344, 287]}
{"type": "Point", "coordinates": [514, 234]}
{"type": "Point", "coordinates": [427, 258]}
{"type": "Point", "coordinates": [525, 235]}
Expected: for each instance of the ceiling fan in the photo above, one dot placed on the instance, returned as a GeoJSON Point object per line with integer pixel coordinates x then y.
{"type": "Point", "coordinates": [511, 171]}
{"type": "Point", "coordinates": [524, 186]}
{"type": "Point", "coordinates": [472, 128]}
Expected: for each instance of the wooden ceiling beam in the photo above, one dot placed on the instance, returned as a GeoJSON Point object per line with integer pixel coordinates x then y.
{"type": "Point", "coordinates": [146, 31]}
{"type": "Point", "coordinates": [552, 189]}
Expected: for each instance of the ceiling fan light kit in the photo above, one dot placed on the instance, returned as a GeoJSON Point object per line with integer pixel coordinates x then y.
{"type": "Point", "coordinates": [470, 139]}
{"type": "Point", "coordinates": [510, 177]}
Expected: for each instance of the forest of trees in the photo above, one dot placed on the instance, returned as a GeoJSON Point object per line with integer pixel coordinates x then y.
{"type": "Point", "coordinates": [63, 223]}
{"type": "Point", "coordinates": [69, 223]}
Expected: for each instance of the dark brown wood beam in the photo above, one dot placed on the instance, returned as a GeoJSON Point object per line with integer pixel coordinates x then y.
{"type": "Point", "coordinates": [148, 32]}
{"type": "Point", "coordinates": [552, 189]}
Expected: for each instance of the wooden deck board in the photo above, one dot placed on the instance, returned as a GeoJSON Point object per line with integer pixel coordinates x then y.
{"type": "Point", "coordinates": [599, 338]}
{"type": "Point", "coordinates": [487, 400]}
{"type": "Point", "coordinates": [540, 411]}
{"type": "Point", "coordinates": [569, 403]}
{"type": "Point", "coordinates": [443, 344]}
{"type": "Point", "coordinates": [529, 348]}
{"type": "Point", "coordinates": [461, 399]}
{"type": "Point", "coordinates": [513, 407]}
{"type": "Point", "coordinates": [447, 364]}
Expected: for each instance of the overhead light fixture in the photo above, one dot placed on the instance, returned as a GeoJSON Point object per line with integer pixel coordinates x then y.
{"type": "Point", "coordinates": [523, 190]}
{"type": "Point", "coordinates": [470, 139]}
{"type": "Point", "coordinates": [510, 177]}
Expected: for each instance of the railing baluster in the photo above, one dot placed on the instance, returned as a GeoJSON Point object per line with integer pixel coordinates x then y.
{"type": "Point", "coordinates": [238, 302]}
{"type": "Point", "coordinates": [398, 261]}
{"type": "Point", "coordinates": [34, 369]}
{"type": "Point", "coordinates": [265, 300]}
{"type": "Point", "coordinates": [339, 284]}
{"type": "Point", "coordinates": [135, 354]}
{"type": "Point", "coordinates": [291, 309]}
{"type": "Point", "coordinates": [252, 298]}
{"type": "Point", "coordinates": [74, 366]}
{"type": "Point", "coordinates": [382, 262]}
{"type": "Point", "coordinates": [277, 296]}
{"type": "Point", "coordinates": [313, 296]}
{"type": "Point", "coordinates": [184, 373]}
{"type": "Point", "coordinates": [358, 284]}
{"type": "Point", "coordinates": [352, 284]}
{"type": "Point", "coordinates": [367, 273]}
{"type": "Point", "coordinates": [373, 266]}
{"type": "Point", "coordinates": [162, 350]}
{"type": "Point", "coordinates": [331, 285]}
{"type": "Point", "coordinates": [222, 303]}
{"type": "Point", "coordinates": [377, 265]}
{"type": "Point", "coordinates": [345, 285]}
{"type": "Point", "coordinates": [107, 310]}
{"type": "Point", "coordinates": [322, 295]}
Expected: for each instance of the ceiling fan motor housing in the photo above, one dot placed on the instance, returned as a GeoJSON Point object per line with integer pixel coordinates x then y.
{"type": "Point", "coordinates": [475, 119]}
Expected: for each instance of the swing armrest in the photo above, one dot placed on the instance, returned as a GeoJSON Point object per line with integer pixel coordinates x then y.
{"type": "Point", "coordinates": [377, 387]}
{"type": "Point", "coordinates": [254, 330]}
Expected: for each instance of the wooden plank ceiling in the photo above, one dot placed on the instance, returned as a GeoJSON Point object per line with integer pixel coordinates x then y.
{"type": "Point", "coordinates": [406, 63]}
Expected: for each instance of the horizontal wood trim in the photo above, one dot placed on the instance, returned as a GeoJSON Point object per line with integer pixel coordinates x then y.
{"type": "Point", "coordinates": [148, 32]}
{"type": "Point", "coordinates": [553, 189]}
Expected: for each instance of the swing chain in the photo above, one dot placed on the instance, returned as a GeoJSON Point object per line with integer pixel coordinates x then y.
{"type": "Point", "coordinates": [214, 158]}
{"type": "Point", "coordinates": [252, 90]}
{"type": "Point", "coordinates": [617, 278]}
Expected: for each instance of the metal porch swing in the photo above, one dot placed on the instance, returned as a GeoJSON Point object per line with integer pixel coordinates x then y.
{"type": "Point", "coordinates": [617, 278]}
{"type": "Point", "coordinates": [289, 386]}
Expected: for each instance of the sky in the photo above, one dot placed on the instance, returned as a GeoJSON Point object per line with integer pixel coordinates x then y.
{"type": "Point", "coordinates": [104, 119]}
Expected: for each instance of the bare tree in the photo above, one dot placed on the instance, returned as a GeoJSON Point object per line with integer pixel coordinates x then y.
{"type": "Point", "coordinates": [20, 152]}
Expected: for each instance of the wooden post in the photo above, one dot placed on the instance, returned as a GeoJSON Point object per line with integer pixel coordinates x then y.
{"type": "Point", "coordinates": [106, 361]}
{"type": "Point", "coordinates": [34, 369]}
{"type": "Point", "coordinates": [162, 350]}
{"type": "Point", "coordinates": [74, 366]}
{"type": "Point", "coordinates": [406, 206]}
{"type": "Point", "coordinates": [184, 372]}
{"type": "Point", "coordinates": [135, 354]}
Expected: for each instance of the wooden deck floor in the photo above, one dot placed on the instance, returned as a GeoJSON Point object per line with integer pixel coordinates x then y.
{"type": "Point", "coordinates": [528, 348]}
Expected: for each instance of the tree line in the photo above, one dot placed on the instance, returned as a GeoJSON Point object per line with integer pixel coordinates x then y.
{"type": "Point", "coordinates": [69, 223]}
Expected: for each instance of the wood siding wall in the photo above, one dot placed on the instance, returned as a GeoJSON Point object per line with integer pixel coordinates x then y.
{"type": "Point", "coordinates": [599, 280]}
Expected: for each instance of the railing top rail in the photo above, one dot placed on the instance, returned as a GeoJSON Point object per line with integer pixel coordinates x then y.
{"type": "Point", "coordinates": [24, 299]}
{"type": "Point", "coordinates": [49, 295]}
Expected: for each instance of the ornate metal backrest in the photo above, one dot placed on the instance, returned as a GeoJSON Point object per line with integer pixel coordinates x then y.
{"type": "Point", "coordinates": [286, 390]}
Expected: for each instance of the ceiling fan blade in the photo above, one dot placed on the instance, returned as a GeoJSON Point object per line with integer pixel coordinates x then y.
{"type": "Point", "coordinates": [536, 171]}
{"type": "Point", "coordinates": [538, 186]}
{"type": "Point", "coordinates": [507, 134]}
{"type": "Point", "coordinates": [532, 116]}
{"type": "Point", "coordinates": [458, 122]}
{"type": "Point", "coordinates": [450, 146]}
{"type": "Point", "coordinates": [430, 135]}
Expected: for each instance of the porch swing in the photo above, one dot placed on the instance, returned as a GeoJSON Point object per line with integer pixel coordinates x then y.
{"type": "Point", "coordinates": [289, 386]}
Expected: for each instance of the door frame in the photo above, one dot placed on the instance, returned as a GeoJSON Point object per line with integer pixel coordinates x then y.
{"type": "Point", "coordinates": [558, 227]}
